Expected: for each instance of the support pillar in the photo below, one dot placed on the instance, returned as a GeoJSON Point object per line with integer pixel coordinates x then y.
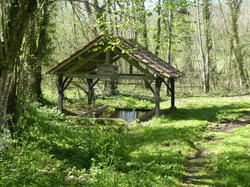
{"type": "Point", "coordinates": [158, 82]}
{"type": "Point", "coordinates": [131, 69]}
{"type": "Point", "coordinates": [172, 92]}
{"type": "Point", "coordinates": [90, 91]}
{"type": "Point", "coordinates": [60, 90]}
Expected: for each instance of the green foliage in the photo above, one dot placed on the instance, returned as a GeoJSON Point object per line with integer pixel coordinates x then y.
{"type": "Point", "coordinates": [49, 146]}
{"type": "Point", "coordinates": [57, 150]}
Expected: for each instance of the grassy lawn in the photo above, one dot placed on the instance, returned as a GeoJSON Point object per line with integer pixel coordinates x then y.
{"type": "Point", "coordinates": [58, 150]}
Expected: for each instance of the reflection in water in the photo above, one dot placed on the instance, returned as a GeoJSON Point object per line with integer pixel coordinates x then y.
{"type": "Point", "coordinates": [128, 115]}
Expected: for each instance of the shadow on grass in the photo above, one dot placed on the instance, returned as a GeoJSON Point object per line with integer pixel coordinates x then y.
{"type": "Point", "coordinates": [209, 114]}
{"type": "Point", "coordinates": [166, 157]}
{"type": "Point", "coordinates": [231, 169]}
{"type": "Point", "coordinates": [163, 162]}
{"type": "Point", "coordinates": [73, 157]}
{"type": "Point", "coordinates": [172, 163]}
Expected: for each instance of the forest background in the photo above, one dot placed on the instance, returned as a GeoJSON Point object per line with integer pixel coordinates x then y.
{"type": "Point", "coordinates": [208, 40]}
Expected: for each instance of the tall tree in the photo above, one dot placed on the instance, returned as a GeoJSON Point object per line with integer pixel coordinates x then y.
{"type": "Point", "coordinates": [39, 48]}
{"type": "Point", "coordinates": [158, 34]}
{"type": "Point", "coordinates": [144, 23]}
{"type": "Point", "coordinates": [170, 30]}
{"type": "Point", "coordinates": [206, 7]}
{"type": "Point", "coordinates": [15, 17]}
{"type": "Point", "coordinates": [235, 47]}
{"type": "Point", "coordinates": [204, 52]}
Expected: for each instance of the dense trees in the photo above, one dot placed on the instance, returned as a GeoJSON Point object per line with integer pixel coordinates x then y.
{"type": "Point", "coordinates": [15, 18]}
{"type": "Point", "coordinates": [202, 38]}
{"type": "Point", "coordinates": [235, 48]}
{"type": "Point", "coordinates": [39, 47]}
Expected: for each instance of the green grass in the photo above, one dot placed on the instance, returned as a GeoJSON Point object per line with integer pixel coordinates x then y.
{"type": "Point", "coordinates": [57, 150]}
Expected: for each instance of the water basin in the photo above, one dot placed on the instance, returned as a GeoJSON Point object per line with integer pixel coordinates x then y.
{"type": "Point", "coordinates": [129, 115]}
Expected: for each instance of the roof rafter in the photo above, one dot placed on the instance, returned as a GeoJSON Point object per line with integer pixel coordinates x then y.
{"type": "Point", "coordinates": [129, 50]}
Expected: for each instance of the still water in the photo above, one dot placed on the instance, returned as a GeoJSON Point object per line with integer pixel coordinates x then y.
{"type": "Point", "coordinates": [128, 115]}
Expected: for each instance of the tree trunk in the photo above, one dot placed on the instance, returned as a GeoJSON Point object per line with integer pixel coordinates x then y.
{"type": "Point", "coordinates": [14, 25]}
{"type": "Point", "coordinates": [158, 36]}
{"type": "Point", "coordinates": [200, 46]}
{"type": "Point", "coordinates": [6, 80]}
{"type": "Point", "coordinates": [235, 48]}
{"type": "Point", "coordinates": [12, 105]}
{"type": "Point", "coordinates": [170, 33]}
{"type": "Point", "coordinates": [157, 91]}
{"type": "Point", "coordinates": [208, 43]}
{"type": "Point", "coordinates": [144, 22]}
{"type": "Point", "coordinates": [170, 30]}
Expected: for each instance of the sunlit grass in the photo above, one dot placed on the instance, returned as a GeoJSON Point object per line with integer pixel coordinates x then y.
{"type": "Point", "coordinates": [55, 149]}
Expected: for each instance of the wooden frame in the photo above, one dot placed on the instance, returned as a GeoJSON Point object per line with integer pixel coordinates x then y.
{"type": "Point", "coordinates": [114, 77]}
{"type": "Point", "coordinates": [84, 62]}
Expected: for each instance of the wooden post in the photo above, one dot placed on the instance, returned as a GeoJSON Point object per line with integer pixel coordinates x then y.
{"type": "Point", "coordinates": [158, 82]}
{"type": "Point", "coordinates": [107, 60]}
{"type": "Point", "coordinates": [90, 91]}
{"type": "Point", "coordinates": [131, 69]}
{"type": "Point", "coordinates": [172, 91]}
{"type": "Point", "coordinates": [112, 86]}
{"type": "Point", "coordinates": [60, 90]}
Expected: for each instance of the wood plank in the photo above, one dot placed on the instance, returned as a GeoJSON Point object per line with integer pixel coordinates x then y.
{"type": "Point", "coordinates": [115, 58]}
{"type": "Point", "coordinates": [91, 66]}
{"type": "Point", "coordinates": [107, 69]}
{"type": "Point", "coordinates": [95, 112]}
{"type": "Point", "coordinates": [60, 92]}
{"type": "Point", "coordinates": [150, 87]}
{"type": "Point", "coordinates": [90, 91]}
{"type": "Point", "coordinates": [138, 61]}
{"type": "Point", "coordinates": [119, 76]}
{"type": "Point", "coordinates": [165, 82]}
{"type": "Point", "coordinates": [134, 63]}
{"type": "Point", "coordinates": [107, 60]}
{"type": "Point", "coordinates": [68, 61]}
{"type": "Point", "coordinates": [67, 83]}
{"type": "Point", "coordinates": [172, 91]}
{"type": "Point", "coordinates": [158, 82]}
{"type": "Point", "coordinates": [83, 61]}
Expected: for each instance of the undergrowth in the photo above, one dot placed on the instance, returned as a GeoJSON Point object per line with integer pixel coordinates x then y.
{"type": "Point", "coordinates": [52, 149]}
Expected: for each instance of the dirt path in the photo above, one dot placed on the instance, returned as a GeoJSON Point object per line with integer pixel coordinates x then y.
{"type": "Point", "coordinates": [195, 174]}
{"type": "Point", "coordinates": [230, 125]}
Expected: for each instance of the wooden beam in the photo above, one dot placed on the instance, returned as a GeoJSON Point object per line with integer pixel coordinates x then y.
{"type": "Point", "coordinates": [66, 62]}
{"type": "Point", "coordinates": [107, 60]}
{"type": "Point", "coordinates": [96, 60]}
{"type": "Point", "coordinates": [172, 91]}
{"type": "Point", "coordinates": [130, 69]}
{"type": "Point", "coordinates": [114, 59]}
{"type": "Point", "coordinates": [83, 61]}
{"type": "Point", "coordinates": [134, 63]}
{"type": "Point", "coordinates": [90, 91]}
{"type": "Point", "coordinates": [169, 88]}
{"type": "Point", "coordinates": [72, 63]}
{"type": "Point", "coordinates": [95, 83]}
{"type": "Point", "coordinates": [158, 82]}
{"type": "Point", "coordinates": [115, 77]}
{"type": "Point", "coordinates": [137, 60]}
{"type": "Point", "coordinates": [91, 66]}
{"type": "Point", "coordinates": [150, 87]}
{"type": "Point", "coordinates": [60, 92]}
{"type": "Point", "coordinates": [67, 83]}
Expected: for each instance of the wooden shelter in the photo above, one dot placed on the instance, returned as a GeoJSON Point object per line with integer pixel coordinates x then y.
{"type": "Point", "coordinates": [95, 61]}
